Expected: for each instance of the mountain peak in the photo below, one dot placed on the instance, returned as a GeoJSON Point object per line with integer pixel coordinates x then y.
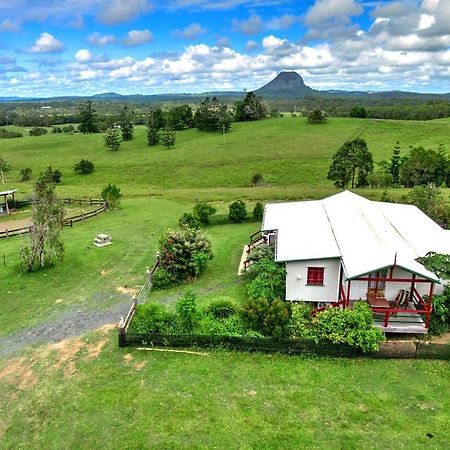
{"type": "Point", "coordinates": [286, 85]}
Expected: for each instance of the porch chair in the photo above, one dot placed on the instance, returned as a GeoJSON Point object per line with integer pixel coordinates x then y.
{"type": "Point", "coordinates": [402, 299]}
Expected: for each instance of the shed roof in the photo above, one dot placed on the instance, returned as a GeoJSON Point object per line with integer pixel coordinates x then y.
{"type": "Point", "coordinates": [367, 235]}
{"type": "Point", "coordinates": [12, 191]}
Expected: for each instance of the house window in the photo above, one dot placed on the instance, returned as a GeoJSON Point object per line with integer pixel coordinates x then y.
{"type": "Point", "coordinates": [315, 275]}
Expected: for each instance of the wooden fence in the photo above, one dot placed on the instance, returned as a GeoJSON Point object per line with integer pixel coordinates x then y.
{"type": "Point", "coordinates": [139, 298]}
{"type": "Point", "coordinates": [69, 221]}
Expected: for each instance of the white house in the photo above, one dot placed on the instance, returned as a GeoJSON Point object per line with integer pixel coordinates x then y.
{"type": "Point", "coordinates": [346, 248]}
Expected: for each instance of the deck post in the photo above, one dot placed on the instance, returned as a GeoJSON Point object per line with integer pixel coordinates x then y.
{"type": "Point", "coordinates": [347, 303]}
{"type": "Point", "coordinates": [429, 305]}
{"type": "Point", "coordinates": [413, 283]}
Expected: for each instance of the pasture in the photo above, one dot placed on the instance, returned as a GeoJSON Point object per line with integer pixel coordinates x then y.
{"type": "Point", "coordinates": [85, 392]}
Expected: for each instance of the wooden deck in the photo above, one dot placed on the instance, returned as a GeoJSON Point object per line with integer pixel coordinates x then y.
{"type": "Point", "coordinates": [402, 322]}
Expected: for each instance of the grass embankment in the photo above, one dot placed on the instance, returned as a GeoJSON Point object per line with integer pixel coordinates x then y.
{"type": "Point", "coordinates": [87, 393]}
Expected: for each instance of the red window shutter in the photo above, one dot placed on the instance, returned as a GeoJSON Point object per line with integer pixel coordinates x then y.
{"type": "Point", "coordinates": [315, 275]}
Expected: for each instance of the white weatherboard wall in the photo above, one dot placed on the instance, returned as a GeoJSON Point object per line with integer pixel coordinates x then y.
{"type": "Point", "coordinates": [297, 272]}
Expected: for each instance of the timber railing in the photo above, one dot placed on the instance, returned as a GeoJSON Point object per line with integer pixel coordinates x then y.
{"type": "Point", "coordinates": [68, 221]}
{"type": "Point", "coordinates": [139, 298]}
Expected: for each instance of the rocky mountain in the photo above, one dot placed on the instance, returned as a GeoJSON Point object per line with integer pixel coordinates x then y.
{"type": "Point", "coordinates": [286, 85]}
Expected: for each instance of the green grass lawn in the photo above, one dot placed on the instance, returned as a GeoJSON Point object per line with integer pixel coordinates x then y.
{"type": "Point", "coordinates": [87, 393]}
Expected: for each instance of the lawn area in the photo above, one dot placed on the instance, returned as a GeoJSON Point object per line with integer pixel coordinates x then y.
{"type": "Point", "coordinates": [90, 277]}
{"type": "Point", "coordinates": [87, 393]}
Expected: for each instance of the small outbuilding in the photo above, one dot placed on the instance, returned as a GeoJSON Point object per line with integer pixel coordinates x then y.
{"type": "Point", "coordinates": [7, 201]}
{"type": "Point", "coordinates": [346, 248]}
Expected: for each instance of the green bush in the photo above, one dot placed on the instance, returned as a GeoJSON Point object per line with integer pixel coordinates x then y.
{"type": "Point", "coordinates": [258, 211]}
{"type": "Point", "coordinates": [37, 131]}
{"type": "Point", "coordinates": [353, 327]}
{"type": "Point", "coordinates": [183, 254]}
{"type": "Point", "coordinates": [238, 212]}
{"type": "Point", "coordinates": [152, 318]}
{"type": "Point", "coordinates": [26, 174]}
{"type": "Point", "coordinates": [203, 211]}
{"type": "Point", "coordinates": [256, 178]}
{"type": "Point", "coordinates": [230, 326]}
{"type": "Point", "coordinates": [440, 316]}
{"type": "Point", "coordinates": [221, 309]}
{"type": "Point", "coordinates": [269, 280]}
{"type": "Point", "coordinates": [112, 195]}
{"type": "Point", "coordinates": [271, 318]}
{"type": "Point", "coordinates": [162, 279]}
{"type": "Point", "coordinates": [84, 167]}
{"type": "Point", "coordinates": [189, 221]}
{"type": "Point", "coordinates": [301, 319]}
{"type": "Point", "coordinates": [188, 315]}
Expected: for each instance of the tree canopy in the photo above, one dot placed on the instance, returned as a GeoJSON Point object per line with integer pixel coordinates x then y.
{"type": "Point", "coordinates": [251, 108]}
{"type": "Point", "coordinates": [88, 118]}
{"type": "Point", "coordinates": [351, 164]}
{"type": "Point", "coordinates": [212, 115]}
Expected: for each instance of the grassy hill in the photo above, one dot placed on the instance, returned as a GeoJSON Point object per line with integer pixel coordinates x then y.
{"type": "Point", "coordinates": [292, 155]}
{"type": "Point", "coordinates": [85, 392]}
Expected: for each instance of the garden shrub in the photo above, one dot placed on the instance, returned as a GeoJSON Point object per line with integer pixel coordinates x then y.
{"type": "Point", "coordinates": [183, 254]}
{"type": "Point", "coordinates": [238, 212]}
{"type": "Point", "coordinates": [258, 211]}
{"type": "Point", "coordinates": [278, 319]}
{"type": "Point", "coordinates": [260, 252]}
{"type": "Point", "coordinates": [255, 312]}
{"type": "Point", "coordinates": [152, 318]}
{"type": "Point", "coordinates": [161, 279]}
{"type": "Point", "coordinates": [232, 325]}
{"type": "Point", "coordinates": [221, 309]}
{"type": "Point", "coordinates": [203, 211]}
{"type": "Point", "coordinates": [301, 318]}
{"type": "Point", "coordinates": [268, 280]}
{"type": "Point", "coordinates": [189, 221]}
{"type": "Point", "coordinates": [188, 315]}
{"type": "Point", "coordinates": [271, 318]}
{"type": "Point", "coordinates": [440, 315]}
{"type": "Point", "coordinates": [353, 327]}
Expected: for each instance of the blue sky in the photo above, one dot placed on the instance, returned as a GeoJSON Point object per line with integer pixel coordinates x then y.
{"type": "Point", "coordinates": [77, 47]}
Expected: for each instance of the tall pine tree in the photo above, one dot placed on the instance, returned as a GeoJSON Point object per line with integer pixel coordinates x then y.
{"type": "Point", "coordinates": [394, 166]}
{"type": "Point", "coordinates": [126, 124]}
{"type": "Point", "coordinates": [88, 118]}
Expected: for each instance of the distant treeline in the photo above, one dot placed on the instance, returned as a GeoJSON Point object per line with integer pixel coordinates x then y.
{"type": "Point", "coordinates": [34, 114]}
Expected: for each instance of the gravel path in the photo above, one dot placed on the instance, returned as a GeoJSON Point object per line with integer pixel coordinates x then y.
{"type": "Point", "coordinates": [72, 323]}
{"type": "Point", "coordinates": [76, 322]}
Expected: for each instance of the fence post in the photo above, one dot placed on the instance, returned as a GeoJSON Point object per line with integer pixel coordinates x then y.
{"type": "Point", "coordinates": [149, 277]}
{"type": "Point", "coordinates": [82, 216]}
{"type": "Point", "coordinates": [122, 333]}
{"type": "Point", "coordinates": [7, 233]}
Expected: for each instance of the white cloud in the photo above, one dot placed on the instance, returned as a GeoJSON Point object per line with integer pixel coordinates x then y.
{"type": "Point", "coordinates": [336, 10]}
{"type": "Point", "coordinates": [192, 31]}
{"type": "Point", "coordinates": [251, 45]}
{"type": "Point", "coordinates": [253, 25]}
{"type": "Point", "coordinates": [100, 40]}
{"type": "Point", "coordinates": [83, 55]}
{"type": "Point", "coordinates": [120, 11]}
{"type": "Point", "coordinates": [46, 43]}
{"type": "Point", "coordinates": [283, 22]}
{"type": "Point", "coordinates": [138, 37]}
{"type": "Point", "coordinates": [8, 26]}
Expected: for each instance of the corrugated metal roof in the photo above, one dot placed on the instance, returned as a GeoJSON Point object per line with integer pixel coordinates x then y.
{"type": "Point", "coordinates": [367, 235]}
{"type": "Point", "coordinates": [12, 191]}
